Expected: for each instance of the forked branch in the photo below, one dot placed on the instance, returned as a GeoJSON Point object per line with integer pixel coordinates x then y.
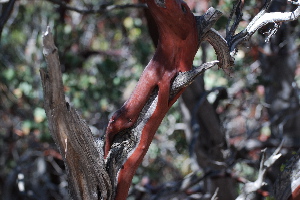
{"type": "Point", "coordinates": [90, 176]}
{"type": "Point", "coordinates": [233, 40]}
{"type": "Point", "coordinates": [251, 187]}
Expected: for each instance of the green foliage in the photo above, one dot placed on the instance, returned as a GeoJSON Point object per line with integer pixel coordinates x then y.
{"type": "Point", "coordinates": [282, 167]}
{"type": "Point", "coordinates": [270, 198]}
{"type": "Point", "coordinates": [246, 171]}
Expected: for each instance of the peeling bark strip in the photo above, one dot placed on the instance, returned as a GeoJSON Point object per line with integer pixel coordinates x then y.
{"type": "Point", "coordinates": [104, 170]}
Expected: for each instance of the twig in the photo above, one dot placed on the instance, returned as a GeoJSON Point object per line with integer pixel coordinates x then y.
{"type": "Point", "coordinates": [237, 10]}
{"type": "Point", "coordinates": [102, 8]}
{"type": "Point", "coordinates": [215, 197]}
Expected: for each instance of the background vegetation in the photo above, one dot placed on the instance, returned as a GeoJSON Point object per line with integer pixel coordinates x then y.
{"type": "Point", "coordinates": [102, 56]}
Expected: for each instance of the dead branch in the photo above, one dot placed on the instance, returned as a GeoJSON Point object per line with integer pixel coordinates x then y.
{"type": "Point", "coordinates": [287, 184]}
{"type": "Point", "coordinates": [251, 187]}
{"type": "Point", "coordinates": [81, 153]}
{"type": "Point", "coordinates": [227, 48]}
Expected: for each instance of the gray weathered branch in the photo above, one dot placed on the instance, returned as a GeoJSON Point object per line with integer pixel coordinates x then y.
{"type": "Point", "coordinates": [264, 18]}
{"type": "Point", "coordinates": [207, 33]}
{"type": "Point", "coordinates": [82, 154]}
{"type": "Point", "coordinates": [287, 184]}
{"type": "Point", "coordinates": [261, 19]}
{"type": "Point", "coordinates": [251, 187]}
{"type": "Point", "coordinates": [227, 48]}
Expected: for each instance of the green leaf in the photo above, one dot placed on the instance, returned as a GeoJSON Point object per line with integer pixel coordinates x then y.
{"type": "Point", "coordinates": [39, 114]}
{"type": "Point", "coordinates": [9, 74]}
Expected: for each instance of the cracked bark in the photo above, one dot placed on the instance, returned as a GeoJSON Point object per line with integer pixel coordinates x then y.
{"type": "Point", "coordinates": [82, 158]}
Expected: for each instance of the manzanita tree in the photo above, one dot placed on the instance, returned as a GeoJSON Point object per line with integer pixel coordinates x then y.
{"type": "Point", "coordinates": [102, 168]}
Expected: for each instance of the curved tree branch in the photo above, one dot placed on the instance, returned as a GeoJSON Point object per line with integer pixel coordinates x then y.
{"type": "Point", "coordinates": [90, 175]}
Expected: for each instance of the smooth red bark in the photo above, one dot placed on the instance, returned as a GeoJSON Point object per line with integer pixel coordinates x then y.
{"type": "Point", "coordinates": [295, 194]}
{"type": "Point", "coordinates": [177, 46]}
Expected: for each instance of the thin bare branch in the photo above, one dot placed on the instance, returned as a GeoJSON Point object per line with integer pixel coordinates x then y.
{"type": "Point", "coordinates": [273, 17]}
{"type": "Point", "coordinates": [102, 8]}
{"type": "Point", "coordinates": [226, 49]}
{"type": "Point", "coordinates": [215, 196]}
{"type": "Point", "coordinates": [261, 19]}
{"type": "Point", "coordinates": [237, 10]}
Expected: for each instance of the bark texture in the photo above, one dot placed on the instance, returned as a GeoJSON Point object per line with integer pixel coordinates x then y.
{"type": "Point", "coordinates": [287, 185]}
{"type": "Point", "coordinates": [80, 151]}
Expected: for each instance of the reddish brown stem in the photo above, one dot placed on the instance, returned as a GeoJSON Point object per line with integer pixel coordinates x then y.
{"type": "Point", "coordinates": [177, 46]}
